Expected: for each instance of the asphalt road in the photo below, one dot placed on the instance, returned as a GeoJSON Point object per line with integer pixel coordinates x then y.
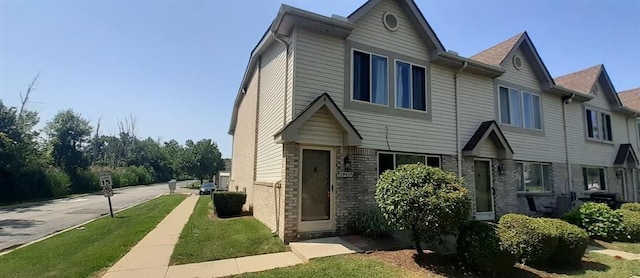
{"type": "Point", "coordinates": [25, 223]}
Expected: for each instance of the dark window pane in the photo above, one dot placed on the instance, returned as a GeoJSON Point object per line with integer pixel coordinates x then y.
{"type": "Point", "coordinates": [607, 125]}
{"type": "Point", "coordinates": [433, 161]}
{"type": "Point", "coordinates": [602, 182]}
{"type": "Point", "coordinates": [419, 90]}
{"type": "Point", "coordinates": [589, 123]}
{"type": "Point", "coordinates": [409, 159]}
{"type": "Point", "coordinates": [519, 177]}
{"type": "Point", "coordinates": [385, 162]}
{"type": "Point", "coordinates": [504, 106]}
{"type": "Point", "coordinates": [361, 76]}
{"type": "Point", "coordinates": [585, 178]}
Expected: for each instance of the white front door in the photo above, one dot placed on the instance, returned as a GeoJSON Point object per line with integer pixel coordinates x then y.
{"type": "Point", "coordinates": [317, 178]}
{"type": "Point", "coordinates": [484, 190]}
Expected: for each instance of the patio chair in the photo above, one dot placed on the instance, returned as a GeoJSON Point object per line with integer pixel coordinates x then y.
{"type": "Point", "coordinates": [547, 211]}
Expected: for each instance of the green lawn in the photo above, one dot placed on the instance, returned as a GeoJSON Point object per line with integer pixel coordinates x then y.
{"type": "Point", "coordinates": [82, 253]}
{"type": "Point", "coordinates": [207, 239]}
{"type": "Point", "coordinates": [340, 266]}
{"type": "Point", "coordinates": [598, 265]}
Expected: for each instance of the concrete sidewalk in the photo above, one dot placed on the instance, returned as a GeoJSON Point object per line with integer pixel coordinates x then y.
{"type": "Point", "coordinates": [613, 253]}
{"type": "Point", "coordinates": [150, 257]}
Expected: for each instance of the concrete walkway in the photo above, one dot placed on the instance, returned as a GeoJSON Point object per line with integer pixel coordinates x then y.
{"type": "Point", "coordinates": [150, 257]}
{"type": "Point", "coordinates": [614, 253]}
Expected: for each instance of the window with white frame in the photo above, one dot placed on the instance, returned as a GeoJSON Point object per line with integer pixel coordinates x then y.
{"type": "Point", "coordinates": [519, 108]}
{"type": "Point", "coordinates": [533, 177]}
{"type": "Point", "coordinates": [390, 161]}
{"type": "Point", "coordinates": [370, 77]}
{"type": "Point", "coordinates": [411, 86]}
{"type": "Point", "coordinates": [598, 125]}
{"type": "Point", "coordinates": [594, 178]}
{"type": "Point", "coordinates": [638, 132]}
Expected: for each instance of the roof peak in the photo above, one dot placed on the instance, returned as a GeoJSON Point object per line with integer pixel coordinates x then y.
{"type": "Point", "coordinates": [496, 54]}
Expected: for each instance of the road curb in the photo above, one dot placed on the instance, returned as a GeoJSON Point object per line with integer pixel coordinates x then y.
{"type": "Point", "coordinates": [74, 227]}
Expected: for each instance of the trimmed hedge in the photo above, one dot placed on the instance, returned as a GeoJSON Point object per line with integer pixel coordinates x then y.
{"type": "Point", "coordinates": [529, 239]}
{"type": "Point", "coordinates": [573, 217]}
{"type": "Point", "coordinates": [228, 203]}
{"type": "Point", "coordinates": [572, 242]}
{"type": "Point", "coordinates": [631, 206]}
{"type": "Point", "coordinates": [601, 222]}
{"type": "Point", "coordinates": [478, 247]}
{"type": "Point", "coordinates": [631, 220]}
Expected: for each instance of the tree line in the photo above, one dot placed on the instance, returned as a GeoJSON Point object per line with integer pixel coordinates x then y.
{"type": "Point", "coordinates": [68, 154]}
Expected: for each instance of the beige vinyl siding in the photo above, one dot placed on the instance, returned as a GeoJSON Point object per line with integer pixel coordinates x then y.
{"type": "Point", "coordinates": [244, 139]}
{"type": "Point", "coordinates": [321, 129]}
{"type": "Point", "coordinates": [320, 68]}
{"type": "Point", "coordinates": [487, 149]}
{"type": "Point", "coordinates": [585, 152]}
{"type": "Point", "coordinates": [524, 76]}
{"type": "Point", "coordinates": [599, 100]}
{"type": "Point", "coordinates": [547, 148]}
{"type": "Point", "coordinates": [291, 64]}
{"type": "Point", "coordinates": [271, 112]}
{"type": "Point", "coordinates": [371, 31]}
{"type": "Point", "coordinates": [477, 105]}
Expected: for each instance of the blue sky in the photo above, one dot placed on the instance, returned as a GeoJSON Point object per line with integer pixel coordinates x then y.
{"type": "Point", "coordinates": [177, 65]}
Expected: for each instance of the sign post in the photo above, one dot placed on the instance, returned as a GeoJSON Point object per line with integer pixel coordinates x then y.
{"type": "Point", "coordinates": [107, 189]}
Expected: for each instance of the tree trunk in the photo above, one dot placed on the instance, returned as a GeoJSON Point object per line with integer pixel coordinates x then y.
{"type": "Point", "coordinates": [416, 241]}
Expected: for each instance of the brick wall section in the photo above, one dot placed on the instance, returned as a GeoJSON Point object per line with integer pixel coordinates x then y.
{"type": "Point", "coordinates": [357, 193]}
{"type": "Point", "coordinates": [264, 204]}
{"type": "Point", "coordinates": [506, 193]}
{"type": "Point", "coordinates": [289, 203]}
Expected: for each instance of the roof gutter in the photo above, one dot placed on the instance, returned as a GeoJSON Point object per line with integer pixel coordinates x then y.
{"type": "Point", "coordinates": [454, 60]}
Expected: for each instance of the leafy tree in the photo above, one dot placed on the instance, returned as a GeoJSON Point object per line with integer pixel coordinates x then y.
{"type": "Point", "coordinates": [427, 201]}
{"type": "Point", "coordinates": [203, 159]}
{"type": "Point", "coordinates": [69, 134]}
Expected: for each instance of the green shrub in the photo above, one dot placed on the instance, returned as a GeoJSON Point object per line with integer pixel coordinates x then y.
{"type": "Point", "coordinates": [370, 223]}
{"type": "Point", "coordinates": [631, 206]}
{"type": "Point", "coordinates": [58, 182]}
{"type": "Point", "coordinates": [479, 248]}
{"type": "Point", "coordinates": [572, 242]}
{"type": "Point", "coordinates": [145, 174]}
{"type": "Point", "coordinates": [127, 176]}
{"type": "Point", "coordinates": [631, 220]}
{"type": "Point", "coordinates": [427, 201]}
{"type": "Point", "coordinates": [572, 217]}
{"type": "Point", "coordinates": [528, 239]}
{"type": "Point", "coordinates": [601, 222]}
{"type": "Point", "coordinates": [84, 181]}
{"type": "Point", "coordinates": [228, 203]}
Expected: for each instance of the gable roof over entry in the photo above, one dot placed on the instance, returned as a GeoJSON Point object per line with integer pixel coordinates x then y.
{"type": "Point", "coordinates": [489, 129]}
{"type": "Point", "coordinates": [626, 152]}
{"type": "Point", "coordinates": [291, 131]}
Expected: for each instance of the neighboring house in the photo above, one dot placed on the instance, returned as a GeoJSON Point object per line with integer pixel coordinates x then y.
{"type": "Point", "coordinates": [328, 103]}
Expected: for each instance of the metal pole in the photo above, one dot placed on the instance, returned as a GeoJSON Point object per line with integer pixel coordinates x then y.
{"type": "Point", "coordinates": [110, 209]}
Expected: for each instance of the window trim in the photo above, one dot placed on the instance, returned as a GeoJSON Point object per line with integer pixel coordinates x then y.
{"type": "Point", "coordinates": [638, 134]}
{"type": "Point", "coordinates": [524, 186]}
{"type": "Point", "coordinates": [599, 112]}
{"type": "Point", "coordinates": [395, 86]}
{"type": "Point", "coordinates": [521, 93]}
{"type": "Point", "coordinates": [426, 156]}
{"type": "Point", "coordinates": [388, 110]}
{"type": "Point", "coordinates": [585, 184]}
{"type": "Point", "coordinates": [371, 54]}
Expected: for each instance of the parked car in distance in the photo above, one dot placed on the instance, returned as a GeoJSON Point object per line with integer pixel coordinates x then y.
{"type": "Point", "coordinates": [207, 187]}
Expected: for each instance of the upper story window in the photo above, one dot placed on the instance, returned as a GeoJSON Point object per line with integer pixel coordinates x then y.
{"type": "Point", "coordinates": [594, 178]}
{"type": "Point", "coordinates": [533, 177]}
{"type": "Point", "coordinates": [638, 132]}
{"type": "Point", "coordinates": [519, 108]}
{"type": "Point", "coordinates": [411, 92]}
{"type": "Point", "coordinates": [389, 161]}
{"type": "Point", "coordinates": [598, 125]}
{"type": "Point", "coordinates": [370, 78]}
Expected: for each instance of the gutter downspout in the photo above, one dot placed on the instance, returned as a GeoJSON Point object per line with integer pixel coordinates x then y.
{"type": "Point", "coordinates": [278, 185]}
{"type": "Point", "coordinates": [566, 145]}
{"type": "Point", "coordinates": [457, 99]}
{"type": "Point", "coordinates": [633, 178]}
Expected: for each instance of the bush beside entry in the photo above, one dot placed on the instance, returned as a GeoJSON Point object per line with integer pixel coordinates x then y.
{"type": "Point", "coordinates": [427, 201]}
{"type": "Point", "coordinates": [479, 248]}
{"type": "Point", "coordinates": [228, 203]}
{"type": "Point", "coordinates": [631, 206]}
{"type": "Point", "coordinates": [631, 220]}
{"type": "Point", "coordinates": [601, 222]}
{"type": "Point", "coordinates": [371, 223]}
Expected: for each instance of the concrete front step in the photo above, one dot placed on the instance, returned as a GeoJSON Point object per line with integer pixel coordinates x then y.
{"type": "Point", "coordinates": [322, 247]}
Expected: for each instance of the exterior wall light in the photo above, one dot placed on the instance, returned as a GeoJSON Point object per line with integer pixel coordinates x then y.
{"type": "Point", "coordinates": [347, 163]}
